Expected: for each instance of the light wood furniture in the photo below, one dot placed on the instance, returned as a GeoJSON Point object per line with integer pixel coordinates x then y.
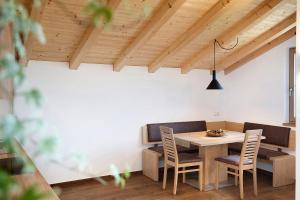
{"type": "Point", "coordinates": [246, 161]}
{"type": "Point", "coordinates": [276, 158]}
{"type": "Point", "coordinates": [152, 160]}
{"type": "Point", "coordinates": [209, 149]}
{"type": "Point", "coordinates": [178, 161]}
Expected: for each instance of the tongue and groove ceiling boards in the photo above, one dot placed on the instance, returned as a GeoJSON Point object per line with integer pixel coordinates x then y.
{"type": "Point", "coordinates": [175, 33]}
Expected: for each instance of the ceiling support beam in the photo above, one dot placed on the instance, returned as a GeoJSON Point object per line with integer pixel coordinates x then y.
{"type": "Point", "coordinates": [188, 36]}
{"type": "Point", "coordinates": [262, 10]}
{"type": "Point", "coordinates": [282, 38]}
{"type": "Point", "coordinates": [166, 10]}
{"type": "Point", "coordinates": [89, 38]}
{"type": "Point", "coordinates": [36, 13]}
{"type": "Point", "coordinates": [264, 38]}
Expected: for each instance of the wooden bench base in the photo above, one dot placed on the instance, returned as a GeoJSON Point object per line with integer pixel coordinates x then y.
{"type": "Point", "coordinates": [151, 164]}
{"type": "Point", "coordinates": [283, 170]}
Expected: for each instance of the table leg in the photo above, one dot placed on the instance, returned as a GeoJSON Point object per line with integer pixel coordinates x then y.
{"type": "Point", "coordinates": [209, 153]}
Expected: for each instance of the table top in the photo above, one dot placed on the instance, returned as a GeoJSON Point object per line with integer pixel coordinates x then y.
{"type": "Point", "coordinates": [200, 138]}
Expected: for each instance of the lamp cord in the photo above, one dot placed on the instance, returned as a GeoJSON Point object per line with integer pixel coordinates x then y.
{"type": "Point", "coordinates": [224, 48]}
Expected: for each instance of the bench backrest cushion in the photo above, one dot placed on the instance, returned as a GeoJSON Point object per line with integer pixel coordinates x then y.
{"type": "Point", "coordinates": [178, 127]}
{"type": "Point", "coordinates": [275, 135]}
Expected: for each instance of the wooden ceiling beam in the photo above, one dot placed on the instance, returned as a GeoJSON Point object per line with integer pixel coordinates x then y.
{"type": "Point", "coordinates": [36, 14]}
{"type": "Point", "coordinates": [264, 38]}
{"type": "Point", "coordinates": [166, 10]}
{"type": "Point", "coordinates": [282, 38]}
{"type": "Point", "coordinates": [89, 38]}
{"type": "Point", "coordinates": [262, 10]}
{"type": "Point", "coordinates": [189, 35]}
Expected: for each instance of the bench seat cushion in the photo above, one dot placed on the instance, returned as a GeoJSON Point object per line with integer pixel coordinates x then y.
{"type": "Point", "coordinates": [263, 153]}
{"type": "Point", "coordinates": [180, 149]}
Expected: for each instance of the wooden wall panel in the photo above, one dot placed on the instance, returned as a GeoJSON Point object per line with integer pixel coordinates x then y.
{"type": "Point", "coordinates": [64, 26]}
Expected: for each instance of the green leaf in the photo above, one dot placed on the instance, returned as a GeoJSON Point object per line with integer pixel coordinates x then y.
{"type": "Point", "coordinates": [34, 97]}
{"type": "Point", "coordinates": [6, 184]}
{"type": "Point", "coordinates": [32, 193]}
{"type": "Point", "coordinates": [146, 8]}
{"type": "Point", "coordinates": [48, 145]}
{"type": "Point", "coordinates": [127, 173]}
{"type": "Point", "coordinates": [10, 66]}
{"type": "Point", "coordinates": [99, 12]}
{"type": "Point", "coordinates": [37, 29]}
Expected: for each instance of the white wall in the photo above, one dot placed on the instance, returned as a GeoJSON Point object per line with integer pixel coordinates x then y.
{"type": "Point", "coordinates": [99, 113]}
{"type": "Point", "coordinates": [258, 91]}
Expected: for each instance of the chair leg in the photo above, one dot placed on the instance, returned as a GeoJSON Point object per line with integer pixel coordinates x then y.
{"type": "Point", "coordinates": [165, 176]}
{"type": "Point", "coordinates": [236, 178]}
{"type": "Point", "coordinates": [175, 180]}
{"type": "Point", "coordinates": [217, 177]}
{"type": "Point", "coordinates": [183, 175]}
{"type": "Point", "coordinates": [241, 172]}
{"type": "Point", "coordinates": [255, 181]}
{"type": "Point", "coordinates": [200, 177]}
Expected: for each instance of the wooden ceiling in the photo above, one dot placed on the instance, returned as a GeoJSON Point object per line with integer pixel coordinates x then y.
{"type": "Point", "coordinates": [176, 33]}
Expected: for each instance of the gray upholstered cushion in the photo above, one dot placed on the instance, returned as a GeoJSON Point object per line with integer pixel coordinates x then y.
{"type": "Point", "coordinates": [233, 160]}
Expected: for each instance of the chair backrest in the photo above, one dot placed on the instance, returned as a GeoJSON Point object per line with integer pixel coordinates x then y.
{"type": "Point", "coordinates": [169, 145]}
{"type": "Point", "coordinates": [251, 146]}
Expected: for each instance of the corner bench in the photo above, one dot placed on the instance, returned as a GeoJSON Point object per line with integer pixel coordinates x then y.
{"type": "Point", "coordinates": [153, 155]}
{"type": "Point", "coordinates": [270, 154]}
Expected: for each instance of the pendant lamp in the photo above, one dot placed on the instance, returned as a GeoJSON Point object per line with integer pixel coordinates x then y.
{"type": "Point", "coordinates": [214, 84]}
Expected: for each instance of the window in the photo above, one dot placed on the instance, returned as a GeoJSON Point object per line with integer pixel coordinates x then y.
{"type": "Point", "coordinates": [292, 85]}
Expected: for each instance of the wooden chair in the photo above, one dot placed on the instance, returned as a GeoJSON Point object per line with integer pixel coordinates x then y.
{"type": "Point", "coordinates": [246, 161]}
{"type": "Point", "coordinates": [178, 160]}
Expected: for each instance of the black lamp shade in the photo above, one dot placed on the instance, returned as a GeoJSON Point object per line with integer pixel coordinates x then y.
{"type": "Point", "coordinates": [214, 84]}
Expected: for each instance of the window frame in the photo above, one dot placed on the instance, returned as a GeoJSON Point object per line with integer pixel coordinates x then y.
{"type": "Point", "coordinates": [292, 85]}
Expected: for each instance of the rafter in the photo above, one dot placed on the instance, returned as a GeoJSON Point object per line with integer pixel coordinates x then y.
{"type": "Point", "coordinates": [88, 39]}
{"type": "Point", "coordinates": [262, 10]}
{"type": "Point", "coordinates": [36, 13]}
{"type": "Point", "coordinates": [282, 38]}
{"type": "Point", "coordinates": [164, 13]}
{"type": "Point", "coordinates": [189, 35]}
{"type": "Point", "coordinates": [259, 41]}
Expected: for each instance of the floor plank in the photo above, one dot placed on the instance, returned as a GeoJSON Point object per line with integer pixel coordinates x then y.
{"type": "Point", "coordinates": [140, 187]}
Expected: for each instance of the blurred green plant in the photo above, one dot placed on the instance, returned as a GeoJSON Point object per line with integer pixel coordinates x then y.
{"type": "Point", "coordinates": [15, 130]}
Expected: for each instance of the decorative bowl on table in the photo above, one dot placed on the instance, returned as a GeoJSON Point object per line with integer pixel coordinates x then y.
{"type": "Point", "coordinates": [215, 133]}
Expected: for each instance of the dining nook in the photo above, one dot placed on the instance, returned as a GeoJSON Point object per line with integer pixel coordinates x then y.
{"type": "Point", "coordinates": [149, 99]}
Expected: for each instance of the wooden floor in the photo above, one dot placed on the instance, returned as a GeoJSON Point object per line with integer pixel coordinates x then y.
{"type": "Point", "coordinates": [140, 187]}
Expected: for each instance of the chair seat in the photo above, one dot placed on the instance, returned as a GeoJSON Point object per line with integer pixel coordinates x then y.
{"type": "Point", "coordinates": [233, 160]}
{"type": "Point", "coordinates": [188, 158]}
{"type": "Point", "coordinates": [263, 153]}
{"type": "Point", "coordinates": [180, 149]}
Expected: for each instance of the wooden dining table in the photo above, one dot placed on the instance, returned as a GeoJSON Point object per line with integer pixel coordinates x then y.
{"type": "Point", "coordinates": [209, 149]}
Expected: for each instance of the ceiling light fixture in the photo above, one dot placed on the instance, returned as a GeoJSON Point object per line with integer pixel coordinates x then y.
{"type": "Point", "coordinates": [214, 84]}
